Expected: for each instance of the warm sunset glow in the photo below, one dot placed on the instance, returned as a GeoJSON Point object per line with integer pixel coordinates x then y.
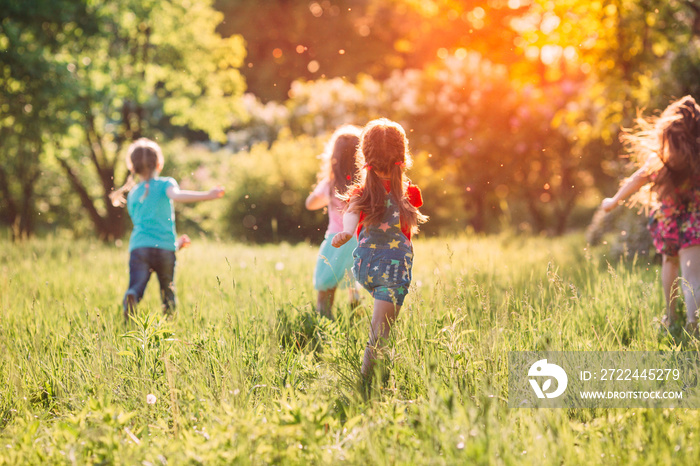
{"type": "Point", "coordinates": [550, 54]}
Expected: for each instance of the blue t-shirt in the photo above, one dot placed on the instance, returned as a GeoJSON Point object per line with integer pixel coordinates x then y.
{"type": "Point", "coordinates": [152, 214]}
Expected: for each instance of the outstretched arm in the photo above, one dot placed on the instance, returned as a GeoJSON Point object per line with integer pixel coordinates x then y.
{"type": "Point", "coordinates": [350, 220]}
{"type": "Point", "coordinates": [318, 198]}
{"type": "Point", "coordinates": [631, 186]}
{"type": "Point", "coordinates": [179, 195]}
{"type": "Point", "coordinates": [316, 201]}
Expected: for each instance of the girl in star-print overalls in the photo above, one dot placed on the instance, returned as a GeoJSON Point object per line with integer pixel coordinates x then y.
{"type": "Point", "coordinates": [383, 210]}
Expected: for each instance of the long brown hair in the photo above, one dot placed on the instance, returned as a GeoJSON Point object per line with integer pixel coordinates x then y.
{"type": "Point", "coordinates": [669, 145]}
{"type": "Point", "coordinates": [384, 148]}
{"type": "Point", "coordinates": [143, 158]}
{"type": "Point", "coordinates": [340, 165]}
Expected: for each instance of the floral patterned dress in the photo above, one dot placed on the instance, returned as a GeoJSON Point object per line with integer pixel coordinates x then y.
{"type": "Point", "coordinates": [675, 223]}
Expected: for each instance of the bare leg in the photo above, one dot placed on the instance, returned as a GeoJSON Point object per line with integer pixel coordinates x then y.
{"type": "Point", "coordinates": [129, 306]}
{"type": "Point", "coordinates": [324, 303]}
{"type": "Point", "coordinates": [354, 294]}
{"type": "Point", "coordinates": [382, 319]}
{"type": "Point", "coordinates": [669, 274]}
{"type": "Point", "coordinates": [690, 269]}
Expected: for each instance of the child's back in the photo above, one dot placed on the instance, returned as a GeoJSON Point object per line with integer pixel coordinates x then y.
{"type": "Point", "coordinates": [152, 244]}
{"type": "Point", "coordinates": [153, 214]}
{"type": "Point", "coordinates": [340, 170]}
{"type": "Point", "coordinates": [385, 206]}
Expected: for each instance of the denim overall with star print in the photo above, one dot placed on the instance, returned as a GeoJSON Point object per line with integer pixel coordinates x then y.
{"type": "Point", "coordinates": [384, 257]}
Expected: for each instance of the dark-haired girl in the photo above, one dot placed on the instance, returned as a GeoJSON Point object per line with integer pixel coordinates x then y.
{"type": "Point", "coordinates": [668, 150]}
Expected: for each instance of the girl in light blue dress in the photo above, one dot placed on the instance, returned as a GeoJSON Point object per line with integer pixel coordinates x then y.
{"type": "Point", "coordinates": [333, 265]}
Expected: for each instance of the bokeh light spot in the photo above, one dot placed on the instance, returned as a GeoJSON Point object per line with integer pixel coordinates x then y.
{"type": "Point", "coordinates": [316, 9]}
{"type": "Point", "coordinates": [313, 66]}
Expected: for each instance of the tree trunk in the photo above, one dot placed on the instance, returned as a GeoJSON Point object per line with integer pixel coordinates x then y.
{"type": "Point", "coordinates": [25, 222]}
{"type": "Point", "coordinates": [537, 216]}
{"type": "Point", "coordinates": [108, 226]}
{"type": "Point", "coordinates": [19, 212]}
{"type": "Point", "coordinates": [10, 211]}
{"type": "Point", "coordinates": [476, 202]}
{"type": "Point", "coordinates": [563, 216]}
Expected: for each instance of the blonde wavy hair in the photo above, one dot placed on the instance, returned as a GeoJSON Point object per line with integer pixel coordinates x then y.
{"type": "Point", "coordinates": [143, 159]}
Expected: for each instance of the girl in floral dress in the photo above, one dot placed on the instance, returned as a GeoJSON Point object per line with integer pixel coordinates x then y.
{"type": "Point", "coordinates": [668, 148]}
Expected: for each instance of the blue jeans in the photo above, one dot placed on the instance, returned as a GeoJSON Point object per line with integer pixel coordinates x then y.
{"type": "Point", "coordinates": [142, 262]}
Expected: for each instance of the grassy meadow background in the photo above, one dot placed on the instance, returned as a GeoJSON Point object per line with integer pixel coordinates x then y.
{"type": "Point", "coordinates": [513, 109]}
{"type": "Point", "coordinates": [247, 373]}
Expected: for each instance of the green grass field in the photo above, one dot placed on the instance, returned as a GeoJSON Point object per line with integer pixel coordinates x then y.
{"type": "Point", "coordinates": [247, 373]}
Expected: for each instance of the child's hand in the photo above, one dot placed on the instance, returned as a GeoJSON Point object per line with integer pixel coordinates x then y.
{"type": "Point", "coordinates": [182, 242]}
{"type": "Point", "coordinates": [341, 238]}
{"type": "Point", "coordinates": [608, 204]}
{"type": "Point", "coordinates": [217, 192]}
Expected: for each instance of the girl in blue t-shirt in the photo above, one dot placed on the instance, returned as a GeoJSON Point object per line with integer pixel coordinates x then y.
{"type": "Point", "coordinates": [153, 240]}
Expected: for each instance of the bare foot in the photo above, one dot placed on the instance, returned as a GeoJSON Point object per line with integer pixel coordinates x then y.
{"type": "Point", "coordinates": [669, 319]}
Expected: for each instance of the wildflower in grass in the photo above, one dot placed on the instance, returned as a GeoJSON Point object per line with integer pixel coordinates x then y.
{"type": "Point", "coordinates": [151, 399]}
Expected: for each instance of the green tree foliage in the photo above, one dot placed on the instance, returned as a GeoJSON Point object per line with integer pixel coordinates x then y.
{"type": "Point", "coordinates": [288, 41]}
{"type": "Point", "coordinates": [33, 81]}
{"type": "Point", "coordinates": [154, 65]}
{"type": "Point", "coordinates": [268, 187]}
{"type": "Point", "coordinates": [634, 54]}
{"type": "Point", "coordinates": [83, 80]}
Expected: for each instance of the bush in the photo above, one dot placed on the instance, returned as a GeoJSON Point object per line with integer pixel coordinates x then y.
{"type": "Point", "coordinates": [624, 230]}
{"type": "Point", "coordinates": [268, 187]}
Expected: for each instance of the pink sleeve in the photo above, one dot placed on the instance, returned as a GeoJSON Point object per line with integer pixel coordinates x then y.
{"type": "Point", "coordinates": [322, 190]}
